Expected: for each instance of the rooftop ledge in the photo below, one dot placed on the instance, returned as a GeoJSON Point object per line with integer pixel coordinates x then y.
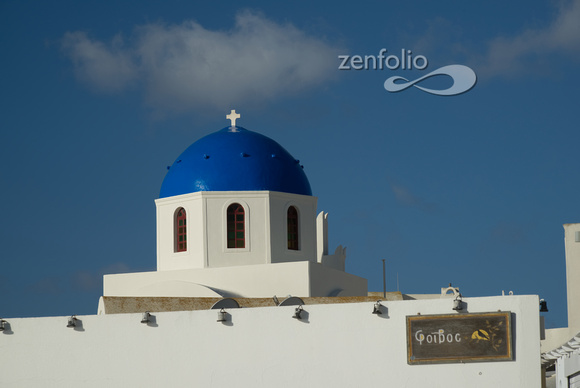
{"type": "Point", "coordinates": [130, 304]}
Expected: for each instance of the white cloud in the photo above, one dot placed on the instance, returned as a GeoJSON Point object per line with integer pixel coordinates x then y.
{"type": "Point", "coordinates": [404, 196]}
{"type": "Point", "coordinates": [104, 68]}
{"type": "Point", "coordinates": [512, 55]}
{"type": "Point", "coordinates": [186, 66]}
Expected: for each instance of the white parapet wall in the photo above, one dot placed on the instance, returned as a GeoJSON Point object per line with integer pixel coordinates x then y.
{"type": "Point", "coordinates": [572, 245]}
{"type": "Point", "coordinates": [303, 278]}
{"type": "Point", "coordinates": [333, 345]}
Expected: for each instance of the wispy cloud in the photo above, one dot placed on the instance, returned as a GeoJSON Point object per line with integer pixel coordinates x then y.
{"type": "Point", "coordinates": [105, 68]}
{"type": "Point", "coordinates": [512, 55]}
{"type": "Point", "coordinates": [404, 196]}
{"type": "Point", "coordinates": [186, 66]}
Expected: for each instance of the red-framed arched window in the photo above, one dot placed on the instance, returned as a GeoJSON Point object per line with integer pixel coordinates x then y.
{"type": "Point", "coordinates": [180, 230]}
{"type": "Point", "coordinates": [292, 217]}
{"type": "Point", "coordinates": [236, 226]}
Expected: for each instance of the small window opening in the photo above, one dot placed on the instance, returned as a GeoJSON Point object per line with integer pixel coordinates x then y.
{"type": "Point", "coordinates": [292, 228]}
{"type": "Point", "coordinates": [236, 224]}
{"type": "Point", "coordinates": [180, 230]}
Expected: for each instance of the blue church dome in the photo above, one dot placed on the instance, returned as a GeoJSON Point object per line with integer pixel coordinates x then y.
{"type": "Point", "coordinates": [235, 159]}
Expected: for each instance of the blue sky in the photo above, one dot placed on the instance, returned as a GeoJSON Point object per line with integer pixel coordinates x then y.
{"type": "Point", "coordinates": [98, 98]}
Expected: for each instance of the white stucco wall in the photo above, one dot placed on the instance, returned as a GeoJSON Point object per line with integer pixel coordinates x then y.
{"type": "Point", "coordinates": [257, 233]}
{"type": "Point", "coordinates": [266, 229]}
{"type": "Point", "coordinates": [303, 278]}
{"type": "Point", "coordinates": [573, 274]}
{"type": "Point", "coordinates": [338, 345]}
{"type": "Point", "coordinates": [306, 206]}
{"type": "Point", "coordinates": [195, 256]}
{"type": "Point", "coordinates": [565, 367]}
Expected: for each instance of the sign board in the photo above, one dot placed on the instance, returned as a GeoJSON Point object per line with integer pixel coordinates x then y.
{"type": "Point", "coordinates": [459, 338]}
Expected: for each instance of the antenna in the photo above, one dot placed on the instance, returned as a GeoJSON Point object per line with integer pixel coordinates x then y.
{"type": "Point", "coordinates": [384, 281]}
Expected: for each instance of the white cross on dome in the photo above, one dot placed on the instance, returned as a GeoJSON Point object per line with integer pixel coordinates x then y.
{"type": "Point", "coordinates": [233, 116]}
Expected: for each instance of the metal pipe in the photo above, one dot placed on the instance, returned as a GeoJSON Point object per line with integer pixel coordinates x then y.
{"type": "Point", "coordinates": [384, 281]}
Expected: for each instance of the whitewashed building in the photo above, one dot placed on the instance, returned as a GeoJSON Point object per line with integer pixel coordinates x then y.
{"type": "Point", "coordinates": [247, 294]}
{"type": "Point", "coordinates": [561, 347]}
{"type": "Point", "coordinates": [236, 217]}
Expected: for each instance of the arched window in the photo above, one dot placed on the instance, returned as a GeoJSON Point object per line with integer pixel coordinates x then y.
{"type": "Point", "coordinates": [236, 226]}
{"type": "Point", "coordinates": [292, 228]}
{"type": "Point", "coordinates": [180, 230]}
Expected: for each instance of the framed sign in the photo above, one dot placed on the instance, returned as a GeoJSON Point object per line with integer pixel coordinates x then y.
{"type": "Point", "coordinates": [459, 338]}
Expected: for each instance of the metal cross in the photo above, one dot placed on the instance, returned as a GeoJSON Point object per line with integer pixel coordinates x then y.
{"type": "Point", "coordinates": [233, 116]}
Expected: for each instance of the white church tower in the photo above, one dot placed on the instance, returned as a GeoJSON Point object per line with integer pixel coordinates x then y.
{"type": "Point", "coordinates": [236, 217]}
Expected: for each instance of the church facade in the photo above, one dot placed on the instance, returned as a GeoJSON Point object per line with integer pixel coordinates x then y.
{"type": "Point", "coordinates": [236, 217]}
{"type": "Point", "coordinates": [237, 227]}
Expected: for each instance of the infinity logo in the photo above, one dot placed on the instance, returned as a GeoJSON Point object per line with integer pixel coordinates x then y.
{"type": "Point", "coordinates": [463, 79]}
